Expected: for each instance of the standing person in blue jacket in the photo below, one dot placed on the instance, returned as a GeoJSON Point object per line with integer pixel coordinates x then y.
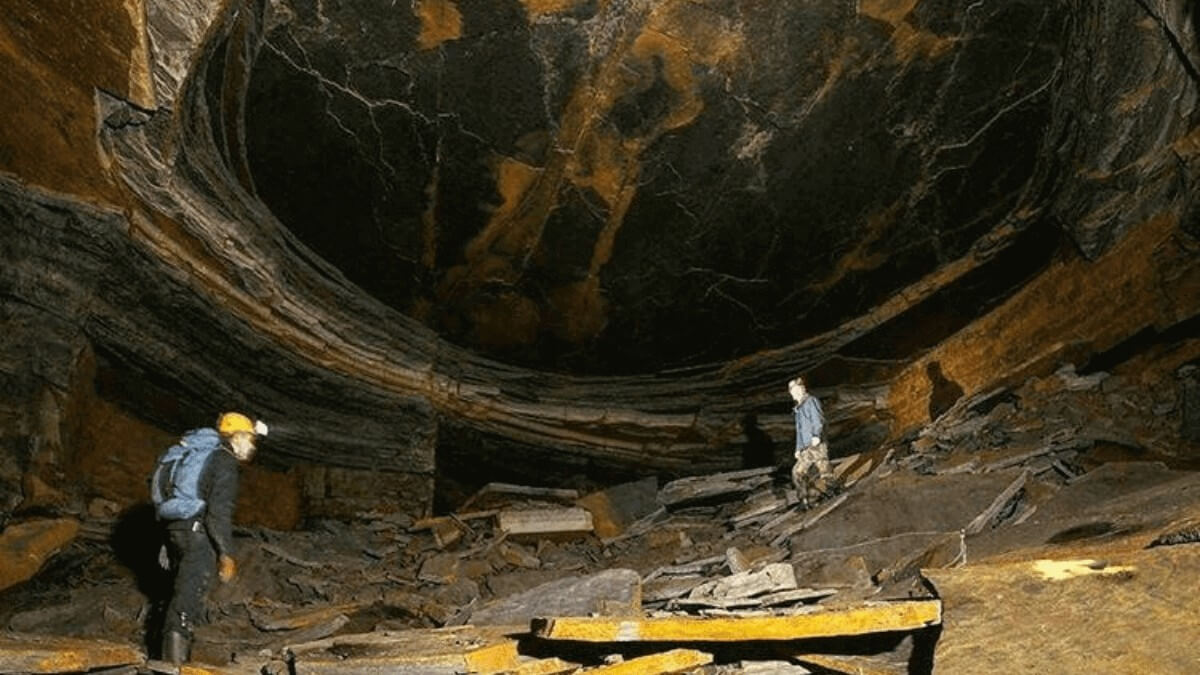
{"type": "Point", "coordinates": [194, 489]}
{"type": "Point", "coordinates": [812, 475]}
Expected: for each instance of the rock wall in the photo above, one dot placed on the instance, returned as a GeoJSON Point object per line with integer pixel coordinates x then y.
{"type": "Point", "coordinates": [546, 238]}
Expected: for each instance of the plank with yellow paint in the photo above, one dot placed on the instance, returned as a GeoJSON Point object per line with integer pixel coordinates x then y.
{"type": "Point", "coordinates": [835, 622]}
{"type": "Point", "coordinates": [550, 666]}
{"type": "Point", "coordinates": [674, 661]}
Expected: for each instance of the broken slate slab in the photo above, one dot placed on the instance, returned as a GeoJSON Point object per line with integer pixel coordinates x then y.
{"type": "Point", "coordinates": [494, 495]}
{"type": "Point", "coordinates": [518, 556]}
{"type": "Point", "coordinates": [439, 569]}
{"type": "Point", "coordinates": [669, 588]}
{"type": "Point", "coordinates": [903, 512]}
{"type": "Point", "coordinates": [1130, 502]}
{"type": "Point", "coordinates": [773, 578]}
{"type": "Point", "coordinates": [720, 486]}
{"type": "Point", "coordinates": [25, 547]}
{"type": "Point", "coordinates": [615, 592]}
{"type": "Point", "coordinates": [614, 510]}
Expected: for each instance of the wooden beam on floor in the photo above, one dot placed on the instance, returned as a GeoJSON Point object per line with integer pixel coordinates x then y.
{"type": "Point", "coordinates": [674, 661]}
{"type": "Point", "coordinates": [839, 622]}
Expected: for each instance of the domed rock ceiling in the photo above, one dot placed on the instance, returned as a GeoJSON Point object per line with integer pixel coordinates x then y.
{"type": "Point", "coordinates": [551, 236]}
{"type": "Point", "coordinates": [628, 187]}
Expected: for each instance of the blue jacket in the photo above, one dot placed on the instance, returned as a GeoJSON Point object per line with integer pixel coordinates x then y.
{"type": "Point", "coordinates": [810, 421]}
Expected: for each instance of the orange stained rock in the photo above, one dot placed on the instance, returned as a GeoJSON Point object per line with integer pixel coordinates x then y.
{"type": "Point", "coordinates": [1188, 146]}
{"type": "Point", "coordinates": [536, 8]}
{"type": "Point", "coordinates": [673, 661]}
{"type": "Point", "coordinates": [1075, 308]}
{"type": "Point", "coordinates": [580, 310]}
{"type": "Point", "coordinates": [507, 320]}
{"type": "Point", "coordinates": [907, 41]}
{"type": "Point", "coordinates": [24, 547]}
{"type": "Point", "coordinates": [866, 254]}
{"type": "Point", "coordinates": [440, 22]}
{"type": "Point", "coordinates": [888, 11]}
{"type": "Point", "coordinates": [54, 68]}
{"type": "Point", "coordinates": [515, 181]}
{"type": "Point", "coordinates": [588, 152]}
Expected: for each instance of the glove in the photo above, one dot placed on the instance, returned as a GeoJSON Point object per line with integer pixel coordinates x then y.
{"type": "Point", "coordinates": [164, 560]}
{"type": "Point", "coordinates": [228, 569]}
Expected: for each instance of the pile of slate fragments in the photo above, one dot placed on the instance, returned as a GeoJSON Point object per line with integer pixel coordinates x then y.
{"type": "Point", "coordinates": [721, 573]}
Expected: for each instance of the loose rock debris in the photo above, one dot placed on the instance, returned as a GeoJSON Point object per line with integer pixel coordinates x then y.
{"type": "Point", "coordinates": [721, 573]}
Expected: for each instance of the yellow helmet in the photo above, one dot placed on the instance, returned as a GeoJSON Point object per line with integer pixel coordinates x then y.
{"type": "Point", "coordinates": [231, 423]}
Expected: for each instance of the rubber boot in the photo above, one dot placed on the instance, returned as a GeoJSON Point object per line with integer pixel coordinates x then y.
{"type": "Point", "coordinates": [176, 647]}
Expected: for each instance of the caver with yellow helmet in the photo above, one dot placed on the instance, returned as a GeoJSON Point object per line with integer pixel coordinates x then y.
{"type": "Point", "coordinates": [194, 488]}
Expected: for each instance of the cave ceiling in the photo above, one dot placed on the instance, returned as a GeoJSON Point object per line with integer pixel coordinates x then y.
{"type": "Point", "coordinates": [586, 232]}
{"type": "Point", "coordinates": [630, 187]}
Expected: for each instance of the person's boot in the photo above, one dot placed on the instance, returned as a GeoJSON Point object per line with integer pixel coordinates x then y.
{"type": "Point", "coordinates": [176, 647]}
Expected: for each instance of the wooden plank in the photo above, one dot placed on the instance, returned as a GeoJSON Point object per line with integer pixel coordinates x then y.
{"type": "Point", "coordinates": [859, 665]}
{"type": "Point", "coordinates": [840, 622]}
{"type": "Point", "coordinates": [550, 666]}
{"type": "Point", "coordinates": [674, 661]}
{"type": "Point", "coordinates": [26, 653]}
{"type": "Point", "coordinates": [546, 522]}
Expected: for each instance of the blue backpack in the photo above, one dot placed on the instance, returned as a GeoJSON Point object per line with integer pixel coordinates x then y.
{"type": "Point", "coordinates": [175, 486]}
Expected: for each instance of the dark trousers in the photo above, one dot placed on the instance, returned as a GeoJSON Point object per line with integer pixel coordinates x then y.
{"type": "Point", "coordinates": [195, 563]}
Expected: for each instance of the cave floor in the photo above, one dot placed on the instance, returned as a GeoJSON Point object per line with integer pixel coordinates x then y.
{"type": "Point", "coordinates": [1003, 537]}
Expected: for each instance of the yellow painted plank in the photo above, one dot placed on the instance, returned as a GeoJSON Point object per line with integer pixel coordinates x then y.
{"type": "Point", "coordinates": [494, 658]}
{"type": "Point", "coordinates": [858, 620]}
{"type": "Point", "coordinates": [550, 666]}
{"type": "Point", "coordinates": [674, 661]}
{"type": "Point", "coordinates": [852, 664]}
